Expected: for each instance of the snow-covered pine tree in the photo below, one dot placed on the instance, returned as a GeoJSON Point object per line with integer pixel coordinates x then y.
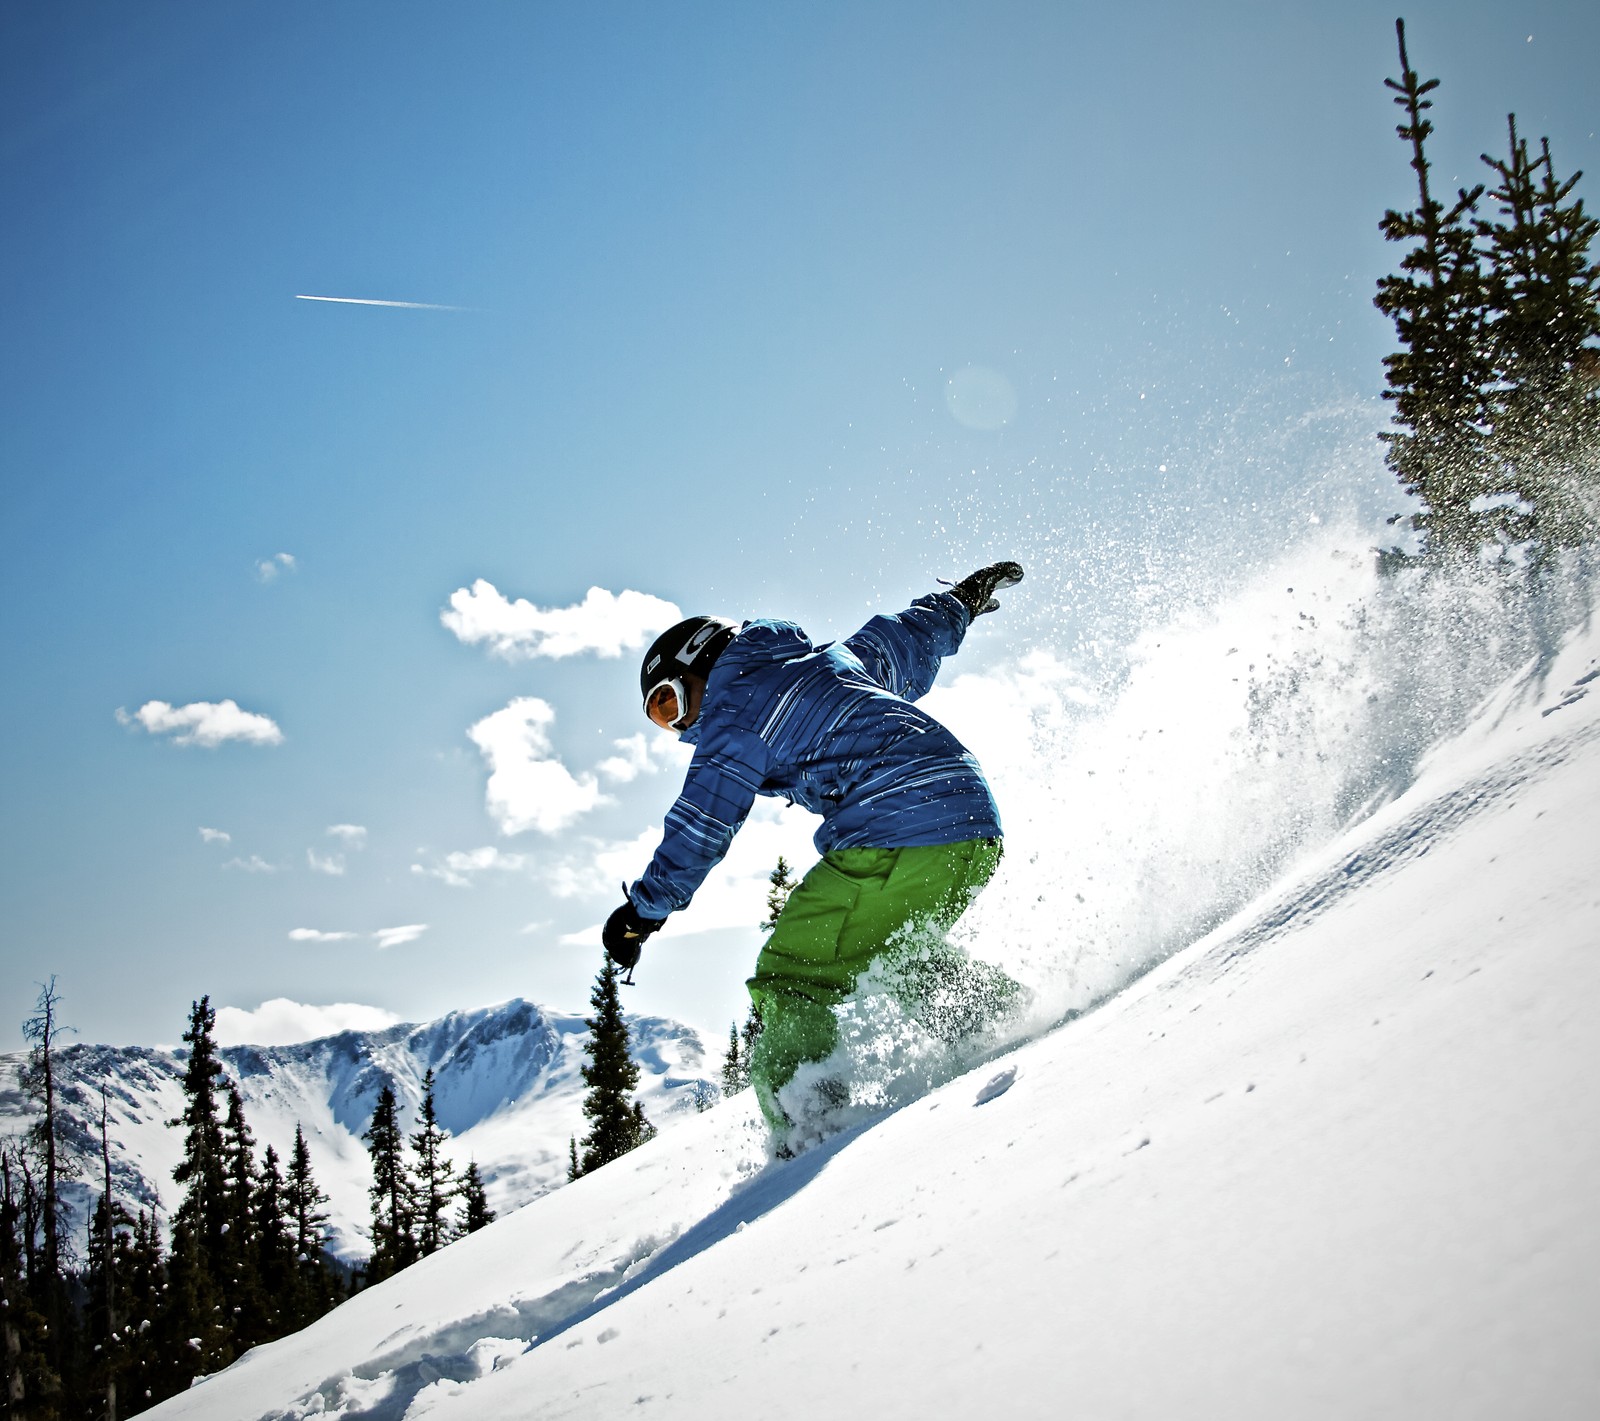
{"type": "Point", "coordinates": [393, 1242]}
{"type": "Point", "coordinates": [1439, 381]}
{"type": "Point", "coordinates": [616, 1121]}
{"type": "Point", "coordinates": [433, 1175]}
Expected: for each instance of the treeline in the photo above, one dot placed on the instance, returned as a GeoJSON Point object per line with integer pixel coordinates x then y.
{"type": "Point", "coordinates": [412, 1197]}
{"type": "Point", "coordinates": [136, 1320]}
{"type": "Point", "coordinates": [1496, 421]}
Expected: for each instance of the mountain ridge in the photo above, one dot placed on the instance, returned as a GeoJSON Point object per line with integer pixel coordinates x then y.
{"type": "Point", "coordinates": [507, 1086]}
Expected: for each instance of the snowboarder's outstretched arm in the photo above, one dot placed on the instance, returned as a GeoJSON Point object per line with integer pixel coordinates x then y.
{"type": "Point", "coordinates": [718, 792]}
{"type": "Point", "coordinates": [903, 653]}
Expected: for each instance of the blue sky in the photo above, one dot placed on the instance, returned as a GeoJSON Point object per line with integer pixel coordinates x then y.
{"type": "Point", "coordinates": [765, 310]}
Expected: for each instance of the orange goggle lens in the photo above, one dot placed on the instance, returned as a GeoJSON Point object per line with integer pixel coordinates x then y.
{"type": "Point", "coordinates": [667, 704]}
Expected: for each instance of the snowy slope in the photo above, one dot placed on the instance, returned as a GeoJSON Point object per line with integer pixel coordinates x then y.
{"type": "Point", "coordinates": [507, 1087]}
{"type": "Point", "coordinates": [1337, 1158]}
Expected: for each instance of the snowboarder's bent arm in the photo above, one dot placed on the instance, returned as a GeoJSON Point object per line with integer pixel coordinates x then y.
{"type": "Point", "coordinates": [717, 794]}
{"type": "Point", "coordinates": [902, 653]}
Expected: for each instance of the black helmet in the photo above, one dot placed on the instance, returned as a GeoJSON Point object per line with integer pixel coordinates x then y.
{"type": "Point", "coordinates": [693, 646]}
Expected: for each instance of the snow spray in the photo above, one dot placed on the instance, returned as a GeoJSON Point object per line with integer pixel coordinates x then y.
{"type": "Point", "coordinates": [1189, 720]}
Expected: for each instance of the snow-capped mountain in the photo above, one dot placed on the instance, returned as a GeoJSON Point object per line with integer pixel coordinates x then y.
{"type": "Point", "coordinates": [506, 1086]}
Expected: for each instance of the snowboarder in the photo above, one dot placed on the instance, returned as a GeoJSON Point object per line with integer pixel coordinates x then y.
{"type": "Point", "coordinates": [910, 831]}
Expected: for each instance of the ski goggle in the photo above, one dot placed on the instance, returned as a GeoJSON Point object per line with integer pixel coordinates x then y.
{"type": "Point", "coordinates": [667, 705]}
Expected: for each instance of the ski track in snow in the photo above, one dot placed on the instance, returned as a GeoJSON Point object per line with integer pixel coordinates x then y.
{"type": "Point", "coordinates": [1418, 833]}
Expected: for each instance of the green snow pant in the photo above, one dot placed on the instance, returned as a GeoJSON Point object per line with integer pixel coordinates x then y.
{"type": "Point", "coordinates": [838, 920]}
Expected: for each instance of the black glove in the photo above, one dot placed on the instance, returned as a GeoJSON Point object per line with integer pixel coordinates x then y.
{"type": "Point", "coordinates": [977, 589]}
{"type": "Point", "coordinates": [624, 934]}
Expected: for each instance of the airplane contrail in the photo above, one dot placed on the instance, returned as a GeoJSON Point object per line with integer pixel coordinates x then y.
{"type": "Point", "coordinates": [363, 301]}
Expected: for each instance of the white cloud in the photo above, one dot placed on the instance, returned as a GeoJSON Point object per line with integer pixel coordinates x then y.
{"type": "Point", "coordinates": [397, 937]}
{"type": "Point", "coordinates": [215, 836]}
{"type": "Point", "coordinates": [606, 623]}
{"type": "Point", "coordinates": [254, 864]}
{"type": "Point", "coordinates": [353, 834]}
{"type": "Point", "coordinates": [267, 569]}
{"type": "Point", "coordinates": [317, 935]}
{"type": "Point", "coordinates": [734, 894]}
{"type": "Point", "coordinates": [603, 868]}
{"type": "Point", "coordinates": [643, 754]}
{"type": "Point", "coordinates": [332, 865]}
{"type": "Point", "coordinates": [529, 788]}
{"type": "Point", "coordinates": [204, 723]}
{"type": "Point", "coordinates": [281, 1022]}
{"type": "Point", "coordinates": [459, 869]}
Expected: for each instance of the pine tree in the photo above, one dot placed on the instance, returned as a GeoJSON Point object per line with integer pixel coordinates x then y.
{"type": "Point", "coordinates": [203, 1170]}
{"type": "Point", "coordinates": [751, 1034]}
{"type": "Point", "coordinates": [1439, 382]}
{"type": "Point", "coordinates": [109, 1250]}
{"type": "Point", "coordinates": [245, 1300]}
{"type": "Point", "coordinates": [475, 1210]}
{"type": "Point", "coordinates": [148, 1372]}
{"type": "Point", "coordinates": [616, 1122]}
{"type": "Point", "coordinates": [574, 1166]}
{"type": "Point", "coordinates": [273, 1258]}
{"type": "Point", "coordinates": [643, 1130]}
{"type": "Point", "coordinates": [735, 1075]}
{"type": "Point", "coordinates": [194, 1321]}
{"type": "Point", "coordinates": [433, 1175]}
{"type": "Point", "coordinates": [308, 1222]}
{"type": "Point", "coordinates": [742, 1042]}
{"type": "Point", "coordinates": [1544, 310]}
{"type": "Point", "coordinates": [47, 1259]}
{"type": "Point", "coordinates": [28, 1378]}
{"type": "Point", "coordinates": [393, 1242]}
{"type": "Point", "coordinates": [781, 882]}
{"type": "Point", "coordinates": [741, 1047]}
{"type": "Point", "coordinates": [193, 1336]}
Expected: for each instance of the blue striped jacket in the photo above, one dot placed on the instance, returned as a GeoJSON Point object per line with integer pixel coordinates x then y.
{"type": "Point", "coordinates": [831, 728]}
